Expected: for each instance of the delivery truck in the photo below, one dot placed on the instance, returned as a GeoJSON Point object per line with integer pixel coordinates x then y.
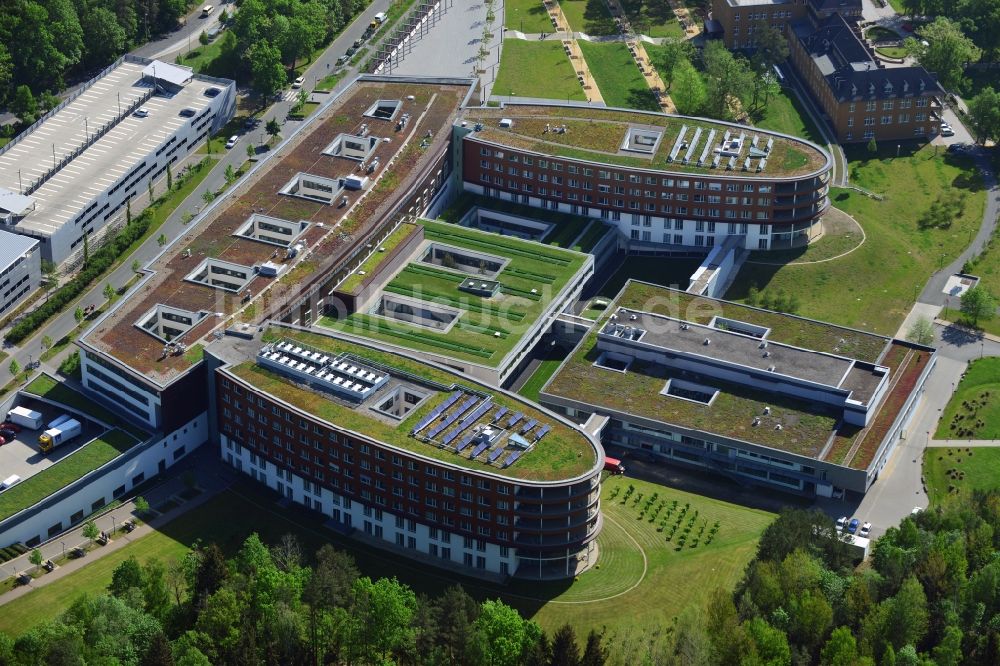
{"type": "Point", "coordinates": [58, 434]}
{"type": "Point", "coordinates": [26, 418]}
{"type": "Point", "coordinates": [614, 465]}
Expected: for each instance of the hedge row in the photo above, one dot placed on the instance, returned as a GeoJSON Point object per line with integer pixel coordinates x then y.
{"type": "Point", "coordinates": [10, 552]}
{"type": "Point", "coordinates": [99, 261]}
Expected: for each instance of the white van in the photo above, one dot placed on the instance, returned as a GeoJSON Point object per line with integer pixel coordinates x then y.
{"type": "Point", "coordinates": [380, 17]}
{"type": "Point", "coordinates": [206, 10]}
{"type": "Point", "coordinates": [9, 481]}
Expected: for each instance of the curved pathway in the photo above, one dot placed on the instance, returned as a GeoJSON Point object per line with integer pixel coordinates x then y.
{"type": "Point", "coordinates": [864, 237]}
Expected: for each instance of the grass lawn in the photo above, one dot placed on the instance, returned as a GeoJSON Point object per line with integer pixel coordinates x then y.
{"type": "Point", "coordinates": [617, 76]}
{"type": "Point", "coordinates": [874, 287]}
{"type": "Point", "coordinates": [528, 16]}
{"type": "Point", "coordinates": [545, 369]}
{"type": "Point", "coordinates": [877, 33]}
{"type": "Point", "coordinates": [202, 58]}
{"type": "Point", "coordinates": [784, 113]}
{"type": "Point", "coordinates": [974, 410]}
{"type": "Point", "coordinates": [83, 461]}
{"type": "Point", "coordinates": [672, 578]}
{"type": "Point", "coordinates": [588, 16]}
{"type": "Point", "coordinates": [329, 82]}
{"type": "Point", "coordinates": [50, 388]}
{"type": "Point", "coordinates": [952, 472]}
{"type": "Point", "coordinates": [536, 69]}
{"type": "Point", "coordinates": [954, 315]}
{"type": "Point", "coordinates": [986, 266]}
{"type": "Point", "coordinates": [376, 257]}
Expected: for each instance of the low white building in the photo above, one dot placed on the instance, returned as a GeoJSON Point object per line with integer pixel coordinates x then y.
{"type": "Point", "coordinates": [72, 173]}
{"type": "Point", "coordinates": [20, 269]}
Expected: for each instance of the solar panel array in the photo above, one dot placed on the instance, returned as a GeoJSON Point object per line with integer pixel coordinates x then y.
{"type": "Point", "coordinates": [484, 407]}
{"type": "Point", "coordinates": [500, 414]}
{"type": "Point", "coordinates": [436, 412]}
{"type": "Point", "coordinates": [496, 454]}
{"type": "Point", "coordinates": [341, 375]}
{"type": "Point", "coordinates": [528, 426]}
{"type": "Point", "coordinates": [514, 419]}
{"type": "Point", "coordinates": [511, 458]}
{"type": "Point", "coordinates": [542, 432]}
{"type": "Point", "coordinates": [451, 418]}
{"type": "Point", "coordinates": [480, 448]}
{"type": "Point", "coordinates": [464, 444]}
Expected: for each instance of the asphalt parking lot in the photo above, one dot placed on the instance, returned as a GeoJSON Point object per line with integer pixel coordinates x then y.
{"type": "Point", "coordinates": [21, 455]}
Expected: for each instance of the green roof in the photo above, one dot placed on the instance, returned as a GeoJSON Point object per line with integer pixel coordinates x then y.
{"type": "Point", "coordinates": [805, 426]}
{"type": "Point", "coordinates": [596, 134]}
{"type": "Point", "coordinates": [564, 453]}
{"type": "Point", "coordinates": [474, 337]}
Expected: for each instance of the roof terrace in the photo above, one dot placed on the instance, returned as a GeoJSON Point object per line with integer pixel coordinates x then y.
{"type": "Point", "coordinates": [418, 408]}
{"type": "Point", "coordinates": [300, 237]}
{"type": "Point", "coordinates": [645, 140]}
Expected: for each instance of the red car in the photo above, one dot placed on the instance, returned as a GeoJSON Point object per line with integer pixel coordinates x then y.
{"type": "Point", "coordinates": [2, 441]}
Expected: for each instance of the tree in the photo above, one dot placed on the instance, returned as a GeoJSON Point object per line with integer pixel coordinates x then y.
{"type": "Point", "coordinates": [23, 105]}
{"type": "Point", "coordinates": [841, 649]}
{"type": "Point", "coordinates": [922, 331]}
{"type": "Point", "coordinates": [35, 558]}
{"type": "Point", "coordinates": [14, 367]}
{"type": "Point", "coordinates": [380, 617]}
{"type": "Point", "coordinates": [768, 645]}
{"type": "Point", "coordinates": [154, 591]}
{"type": "Point", "coordinates": [135, 266]}
{"type": "Point", "coordinates": [109, 293]}
{"type": "Point", "coordinates": [159, 652]}
{"type": "Point", "coordinates": [203, 38]}
{"type": "Point", "coordinates": [688, 89]}
{"type": "Point", "coordinates": [872, 146]}
{"type": "Point", "coordinates": [104, 38]}
{"type": "Point", "coordinates": [772, 47]}
{"type": "Point", "coordinates": [50, 279]}
{"type": "Point", "coordinates": [141, 505]}
{"type": "Point", "coordinates": [978, 304]}
{"type": "Point", "coordinates": [266, 68]}
{"type": "Point", "coordinates": [209, 574]}
{"type": "Point", "coordinates": [208, 196]}
{"type": "Point", "coordinates": [728, 77]}
{"type": "Point", "coordinates": [273, 128]}
{"type": "Point", "coordinates": [984, 115]}
{"type": "Point", "coordinates": [46, 342]}
{"type": "Point", "coordinates": [90, 530]}
{"type": "Point", "coordinates": [149, 189]}
{"type": "Point", "coordinates": [250, 151]}
{"type": "Point", "coordinates": [127, 576]}
{"type": "Point", "coordinates": [78, 315]}
{"type": "Point", "coordinates": [86, 249]}
{"type": "Point", "coordinates": [671, 54]}
{"type": "Point", "coordinates": [161, 240]}
{"type": "Point", "coordinates": [565, 651]}
{"type": "Point", "coordinates": [230, 174]}
{"type": "Point", "coordinates": [170, 177]}
{"type": "Point", "coordinates": [594, 654]}
{"type": "Point", "coordinates": [945, 50]}
{"type": "Point", "coordinates": [501, 635]}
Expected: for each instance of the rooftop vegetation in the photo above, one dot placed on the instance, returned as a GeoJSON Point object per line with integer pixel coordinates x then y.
{"type": "Point", "coordinates": [379, 253]}
{"type": "Point", "coordinates": [596, 135]}
{"type": "Point", "coordinates": [89, 457]}
{"type": "Point", "coordinates": [474, 337]}
{"type": "Point", "coordinates": [536, 69]}
{"type": "Point", "coordinates": [50, 388]}
{"type": "Point", "coordinates": [563, 453]}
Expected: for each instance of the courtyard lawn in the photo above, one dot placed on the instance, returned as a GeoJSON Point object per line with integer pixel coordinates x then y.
{"type": "Point", "coordinates": [874, 287]}
{"type": "Point", "coordinates": [784, 113]}
{"type": "Point", "coordinates": [974, 409]}
{"type": "Point", "coordinates": [588, 16]}
{"type": "Point", "coordinates": [954, 472]}
{"type": "Point", "coordinates": [954, 315]}
{"type": "Point", "coordinates": [639, 567]}
{"type": "Point", "coordinates": [617, 76]}
{"type": "Point", "coordinates": [545, 369]}
{"type": "Point", "coordinates": [528, 16]}
{"type": "Point", "coordinates": [536, 69]}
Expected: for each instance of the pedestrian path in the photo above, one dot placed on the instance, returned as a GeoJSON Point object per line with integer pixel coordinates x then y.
{"type": "Point", "coordinates": [586, 78]}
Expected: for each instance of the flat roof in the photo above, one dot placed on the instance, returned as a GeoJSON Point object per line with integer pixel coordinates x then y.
{"type": "Point", "coordinates": [807, 428]}
{"type": "Point", "coordinates": [563, 452]}
{"type": "Point", "coordinates": [112, 156]}
{"type": "Point", "coordinates": [596, 134]}
{"type": "Point", "coordinates": [13, 247]}
{"type": "Point", "coordinates": [334, 232]}
{"type": "Point", "coordinates": [487, 327]}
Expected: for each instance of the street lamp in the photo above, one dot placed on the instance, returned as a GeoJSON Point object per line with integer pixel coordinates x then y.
{"type": "Point", "coordinates": [114, 526]}
{"type": "Point", "coordinates": [64, 548]}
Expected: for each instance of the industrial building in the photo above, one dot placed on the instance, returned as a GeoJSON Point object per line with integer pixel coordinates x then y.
{"type": "Point", "coordinates": [70, 175]}
{"type": "Point", "coordinates": [20, 269]}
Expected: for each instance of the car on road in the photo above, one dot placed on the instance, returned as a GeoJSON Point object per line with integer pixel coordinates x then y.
{"type": "Point", "coordinates": [232, 141]}
{"type": "Point", "coordinates": [842, 523]}
{"type": "Point", "coordinates": [852, 527]}
{"type": "Point", "coordinates": [141, 113]}
{"type": "Point", "coordinates": [298, 82]}
{"type": "Point", "coordinates": [946, 130]}
{"type": "Point", "coordinates": [351, 51]}
{"type": "Point", "coordinates": [342, 59]}
{"type": "Point", "coordinates": [865, 530]}
{"type": "Point", "coordinates": [358, 42]}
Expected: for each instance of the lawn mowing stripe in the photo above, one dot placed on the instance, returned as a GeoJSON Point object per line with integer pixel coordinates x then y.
{"type": "Point", "coordinates": [448, 275]}
{"type": "Point", "coordinates": [425, 294]}
{"type": "Point", "coordinates": [537, 256]}
{"type": "Point", "coordinates": [530, 275]}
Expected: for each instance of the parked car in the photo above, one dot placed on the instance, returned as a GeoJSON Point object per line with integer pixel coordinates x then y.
{"type": "Point", "coordinates": [141, 113]}
{"type": "Point", "coordinates": [842, 523]}
{"type": "Point", "coordinates": [358, 43]}
{"type": "Point", "coordinates": [946, 130]}
{"type": "Point", "coordinates": [351, 51]}
{"type": "Point", "coordinates": [232, 141]}
{"type": "Point", "coordinates": [852, 527]}
{"type": "Point", "coordinates": [342, 59]}
{"type": "Point", "coordinates": [7, 434]}
{"type": "Point", "coordinates": [957, 147]}
{"type": "Point", "coordinates": [865, 530]}
{"type": "Point", "coordinates": [916, 510]}
{"type": "Point", "coordinates": [297, 83]}
{"type": "Point", "coordinates": [10, 425]}
{"type": "Point", "coordinates": [2, 441]}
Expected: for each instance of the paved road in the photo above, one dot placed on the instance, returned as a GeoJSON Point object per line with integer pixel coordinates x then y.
{"type": "Point", "coordinates": [65, 323]}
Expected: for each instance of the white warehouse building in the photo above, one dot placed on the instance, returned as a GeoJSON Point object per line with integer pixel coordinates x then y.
{"type": "Point", "coordinates": [20, 269]}
{"type": "Point", "coordinates": [71, 173]}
